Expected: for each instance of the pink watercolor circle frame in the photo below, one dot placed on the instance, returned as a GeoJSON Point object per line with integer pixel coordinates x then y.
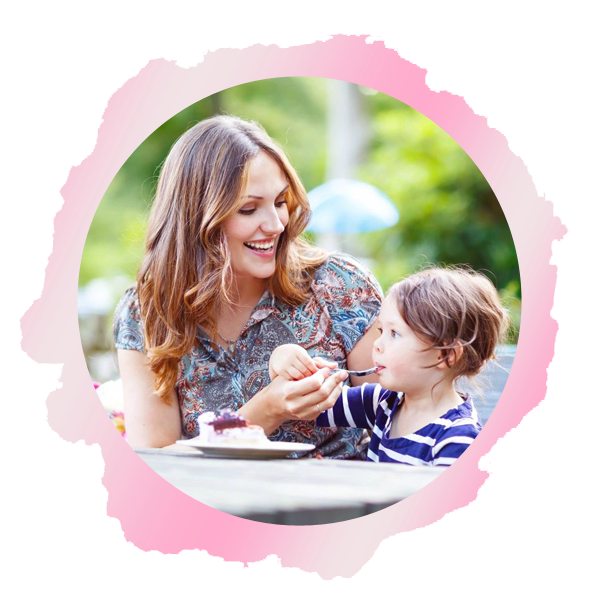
{"type": "Point", "coordinates": [137, 495]}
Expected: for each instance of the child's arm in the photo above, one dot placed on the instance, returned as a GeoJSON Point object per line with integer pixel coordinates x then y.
{"type": "Point", "coordinates": [453, 443]}
{"type": "Point", "coordinates": [355, 407]}
{"type": "Point", "coordinates": [293, 363]}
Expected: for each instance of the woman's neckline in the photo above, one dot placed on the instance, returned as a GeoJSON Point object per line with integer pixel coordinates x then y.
{"type": "Point", "coordinates": [232, 342]}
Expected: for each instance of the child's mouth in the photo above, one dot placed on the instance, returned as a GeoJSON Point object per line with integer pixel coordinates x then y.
{"type": "Point", "coordinates": [379, 368]}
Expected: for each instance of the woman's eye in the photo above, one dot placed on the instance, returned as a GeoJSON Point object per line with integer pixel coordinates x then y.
{"type": "Point", "coordinates": [250, 211]}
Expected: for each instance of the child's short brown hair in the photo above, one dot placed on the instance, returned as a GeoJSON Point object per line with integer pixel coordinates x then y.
{"type": "Point", "coordinates": [454, 306]}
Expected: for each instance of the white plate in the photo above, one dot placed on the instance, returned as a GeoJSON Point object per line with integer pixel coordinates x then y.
{"type": "Point", "coordinates": [266, 451]}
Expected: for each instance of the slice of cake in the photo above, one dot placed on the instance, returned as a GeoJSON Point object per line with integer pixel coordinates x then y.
{"type": "Point", "coordinates": [229, 427]}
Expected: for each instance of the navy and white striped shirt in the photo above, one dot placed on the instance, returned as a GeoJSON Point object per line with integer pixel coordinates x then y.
{"type": "Point", "coordinates": [439, 443]}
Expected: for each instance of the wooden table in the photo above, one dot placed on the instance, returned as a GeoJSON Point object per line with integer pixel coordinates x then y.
{"type": "Point", "coordinates": [288, 492]}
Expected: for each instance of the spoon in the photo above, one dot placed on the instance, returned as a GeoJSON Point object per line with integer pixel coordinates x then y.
{"type": "Point", "coordinates": [355, 372]}
{"type": "Point", "coordinates": [359, 372]}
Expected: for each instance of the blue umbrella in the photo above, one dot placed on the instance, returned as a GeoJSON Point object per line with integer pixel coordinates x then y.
{"type": "Point", "coordinates": [344, 206]}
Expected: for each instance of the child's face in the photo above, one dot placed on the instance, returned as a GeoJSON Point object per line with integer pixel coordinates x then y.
{"type": "Point", "coordinates": [402, 355]}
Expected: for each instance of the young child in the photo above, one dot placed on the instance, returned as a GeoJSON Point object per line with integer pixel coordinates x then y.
{"type": "Point", "coordinates": [435, 326]}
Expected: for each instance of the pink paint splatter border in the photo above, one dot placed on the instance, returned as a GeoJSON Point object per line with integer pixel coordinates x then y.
{"type": "Point", "coordinates": [50, 328]}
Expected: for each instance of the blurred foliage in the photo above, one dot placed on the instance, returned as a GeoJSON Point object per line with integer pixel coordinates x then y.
{"type": "Point", "coordinates": [448, 212]}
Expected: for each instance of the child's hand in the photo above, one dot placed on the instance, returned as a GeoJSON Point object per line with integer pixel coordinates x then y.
{"type": "Point", "coordinates": [292, 362]}
{"type": "Point", "coordinates": [322, 363]}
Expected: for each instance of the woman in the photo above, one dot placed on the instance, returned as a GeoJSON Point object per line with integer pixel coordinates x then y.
{"type": "Point", "coordinates": [226, 279]}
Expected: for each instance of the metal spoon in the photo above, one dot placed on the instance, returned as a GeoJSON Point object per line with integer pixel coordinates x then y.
{"type": "Point", "coordinates": [355, 372]}
{"type": "Point", "coordinates": [358, 372]}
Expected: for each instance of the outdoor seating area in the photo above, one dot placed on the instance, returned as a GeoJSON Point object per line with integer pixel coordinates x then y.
{"type": "Point", "coordinates": [296, 491]}
{"type": "Point", "coordinates": [381, 250]}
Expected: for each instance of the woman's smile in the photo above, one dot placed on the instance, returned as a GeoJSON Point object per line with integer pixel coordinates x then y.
{"type": "Point", "coordinates": [264, 248]}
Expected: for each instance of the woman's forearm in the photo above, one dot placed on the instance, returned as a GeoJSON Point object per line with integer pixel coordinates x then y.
{"type": "Point", "coordinates": [263, 410]}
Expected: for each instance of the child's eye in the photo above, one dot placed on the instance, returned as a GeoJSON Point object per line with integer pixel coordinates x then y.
{"type": "Point", "coordinates": [394, 334]}
{"type": "Point", "coordinates": [380, 330]}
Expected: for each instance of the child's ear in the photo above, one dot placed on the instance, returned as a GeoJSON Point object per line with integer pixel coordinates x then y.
{"type": "Point", "coordinates": [451, 356]}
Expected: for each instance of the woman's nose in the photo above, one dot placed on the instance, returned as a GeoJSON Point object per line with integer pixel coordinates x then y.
{"type": "Point", "coordinates": [272, 224]}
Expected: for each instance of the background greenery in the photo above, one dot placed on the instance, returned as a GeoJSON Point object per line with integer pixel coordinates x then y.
{"type": "Point", "coordinates": [448, 212]}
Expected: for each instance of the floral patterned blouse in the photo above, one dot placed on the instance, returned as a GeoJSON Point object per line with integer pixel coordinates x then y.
{"type": "Point", "coordinates": [345, 301]}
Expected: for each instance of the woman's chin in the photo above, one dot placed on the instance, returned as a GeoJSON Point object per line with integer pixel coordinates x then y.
{"type": "Point", "coordinates": [262, 272]}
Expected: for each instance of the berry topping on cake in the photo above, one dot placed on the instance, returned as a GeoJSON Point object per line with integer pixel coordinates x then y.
{"type": "Point", "coordinates": [228, 420]}
{"type": "Point", "coordinates": [229, 427]}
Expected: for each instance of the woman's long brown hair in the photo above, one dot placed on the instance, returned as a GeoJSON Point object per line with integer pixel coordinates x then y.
{"type": "Point", "coordinates": [185, 273]}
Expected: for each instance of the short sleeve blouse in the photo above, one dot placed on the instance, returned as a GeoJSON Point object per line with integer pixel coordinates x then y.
{"type": "Point", "coordinates": [344, 303]}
